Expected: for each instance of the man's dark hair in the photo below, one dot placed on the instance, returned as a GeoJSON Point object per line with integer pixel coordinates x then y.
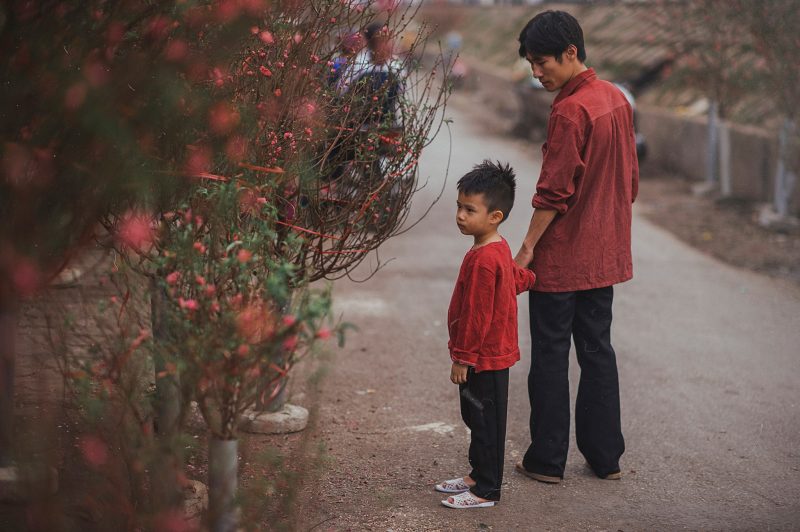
{"type": "Point", "coordinates": [551, 33]}
{"type": "Point", "coordinates": [373, 31]}
{"type": "Point", "coordinates": [495, 181]}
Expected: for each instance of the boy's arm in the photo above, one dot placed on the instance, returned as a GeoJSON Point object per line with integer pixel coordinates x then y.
{"type": "Point", "coordinates": [474, 317]}
{"type": "Point", "coordinates": [524, 279]}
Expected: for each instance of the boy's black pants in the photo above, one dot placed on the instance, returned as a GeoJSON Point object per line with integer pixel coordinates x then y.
{"type": "Point", "coordinates": [484, 405]}
{"type": "Point", "coordinates": [586, 317]}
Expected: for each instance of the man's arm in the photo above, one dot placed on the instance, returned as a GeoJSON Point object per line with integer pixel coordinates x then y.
{"type": "Point", "coordinates": [540, 220]}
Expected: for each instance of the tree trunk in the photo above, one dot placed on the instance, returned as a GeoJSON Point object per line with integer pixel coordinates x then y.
{"type": "Point", "coordinates": [166, 490]}
{"type": "Point", "coordinates": [222, 484]}
{"type": "Point", "coordinates": [725, 179]}
{"type": "Point", "coordinates": [712, 159]}
{"type": "Point", "coordinates": [784, 175]}
{"type": "Point", "coordinates": [8, 331]}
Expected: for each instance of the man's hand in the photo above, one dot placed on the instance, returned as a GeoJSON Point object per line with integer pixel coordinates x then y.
{"type": "Point", "coordinates": [524, 257]}
{"type": "Point", "coordinates": [458, 373]}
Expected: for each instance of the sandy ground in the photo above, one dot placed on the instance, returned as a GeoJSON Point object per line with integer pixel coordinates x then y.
{"type": "Point", "coordinates": [709, 371]}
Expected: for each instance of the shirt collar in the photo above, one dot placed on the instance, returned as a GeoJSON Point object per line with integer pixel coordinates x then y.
{"type": "Point", "coordinates": [573, 84]}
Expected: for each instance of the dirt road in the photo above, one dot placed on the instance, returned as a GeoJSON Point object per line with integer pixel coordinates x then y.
{"type": "Point", "coordinates": [709, 367]}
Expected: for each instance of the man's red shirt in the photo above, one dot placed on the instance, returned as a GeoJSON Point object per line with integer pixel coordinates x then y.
{"type": "Point", "coordinates": [590, 175]}
{"type": "Point", "coordinates": [482, 318]}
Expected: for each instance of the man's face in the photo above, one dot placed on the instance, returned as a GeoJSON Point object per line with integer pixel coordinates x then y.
{"type": "Point", "coordinates": [552, 73]}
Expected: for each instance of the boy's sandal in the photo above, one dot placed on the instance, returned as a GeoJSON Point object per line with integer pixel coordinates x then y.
{"type": "Point", "coordinates": [466, 500]}
{"type": "Point", "coordinates": [456, 485]}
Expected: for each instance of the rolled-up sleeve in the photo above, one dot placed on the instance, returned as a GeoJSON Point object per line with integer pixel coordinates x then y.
{"type": "Point", "coordinates": [561, 166]}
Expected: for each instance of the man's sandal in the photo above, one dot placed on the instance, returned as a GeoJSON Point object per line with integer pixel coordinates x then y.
{"type": "Point", "coordinates": [456, 485]}
{"type": "Point", "coordinates": [466, 500]}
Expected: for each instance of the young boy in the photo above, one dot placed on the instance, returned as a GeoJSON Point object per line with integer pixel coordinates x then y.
{"type": "Point", "coordinates": [482, 321]}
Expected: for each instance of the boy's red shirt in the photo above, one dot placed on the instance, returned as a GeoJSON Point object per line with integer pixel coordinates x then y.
{"type": "Point", "coordinates": [482, 318]}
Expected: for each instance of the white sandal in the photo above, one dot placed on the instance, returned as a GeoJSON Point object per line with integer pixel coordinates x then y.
{"type": "Point", "coordinates": [466, 500]}
{"type": "Point", "coordinates": [456, 485]}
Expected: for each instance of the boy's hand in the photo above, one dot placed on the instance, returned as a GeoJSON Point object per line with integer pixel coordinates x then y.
{"type": "Point", "coordinates": [458, 373]}
{"type": "Point", "coordinates": [524, 257]}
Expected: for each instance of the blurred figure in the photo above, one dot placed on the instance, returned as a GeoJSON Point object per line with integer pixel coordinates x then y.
{"type": "Point", "coordinates": [351, 44]}
{"type": "Point", "coordinates": [377, 76]}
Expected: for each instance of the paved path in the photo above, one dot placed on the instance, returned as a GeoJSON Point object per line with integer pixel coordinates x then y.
{"type": "Point", "coordinates": [709, 360]}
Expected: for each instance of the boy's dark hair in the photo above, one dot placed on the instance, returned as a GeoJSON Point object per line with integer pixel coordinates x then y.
{"type": "Point", "coordinates": [495, 181]}
{"type": "Point", "coordinates": [551, 33]}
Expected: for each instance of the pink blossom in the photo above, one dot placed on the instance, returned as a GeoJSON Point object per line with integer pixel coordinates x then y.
{"type": "Point", "coordinates": [223, 118]}
{"type": "Point", "coordinates": [277, 92]}
{"type": "Point", "coordinates": [75, 96]}
{"type": "Point", "coordinates": [26, 277]}
{"type": "Point", "coordinates": [219, 76]}
{"type": "Point", "coordinates": [176, 50]}
{"type": "Point", "coordinates": [215, 307]}
{"type": "Point", "coordinates": [188, 304]}
{"type": "Point", "coordinates": [266, 37]}
{"type": "Point", "coordinates": [324, 333]}
{"type": "Point", "coordinates": [96, 73]}
{"type": "Point", "coordinates": [265, 71]}
{"type": "Point", "coordinates": [115, 33]}
{"type": "Point", "coordinates": [288, 320]}
{"type": "Point", "coordinates": [199, 279]}
{"type": "Point", "coordinates": [244, 255]}
{"type": "Point", "coordinates": [255, 322]}
{"type": "Point", "coordinates": [227, 10]}
{"type": "Point", "coordinates": [210, 290]}
{"type": "Point", "coordinates": [94, 450]}
{"type": "Point", "coordinates": [254, 30]}
{"type": "Point", "coordinates": [198, 159]}
{"type": "Point", "coordinates": [135, 230]}
{"type": "Point", "coordinates": [199, 247]}
{"type": "Point", "coordinates": [290, 343]}
{"type": "Point", "coordinates": [243, 350]}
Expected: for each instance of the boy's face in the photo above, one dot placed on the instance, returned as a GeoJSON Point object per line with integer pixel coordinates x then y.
{"type": "Point", "coordinates": [552, 73]}
{"type": "Point", "coordinates": [473, 217]}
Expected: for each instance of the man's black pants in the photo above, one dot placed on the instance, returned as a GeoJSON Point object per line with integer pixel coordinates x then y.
{"type": "Point", "coordinates": [484, 405]}
{"type": "Point", "coordinates": [586, 317]}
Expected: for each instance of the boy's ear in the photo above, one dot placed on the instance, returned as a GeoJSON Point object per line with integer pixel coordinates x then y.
{"type": "Point", "coordinates": [496, 216]}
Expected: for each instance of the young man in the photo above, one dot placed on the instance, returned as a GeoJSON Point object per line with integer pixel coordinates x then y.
{"type": "Point", "coordinates": [579, 244]}
{"type": "Point", "coordinates": [482, 322]}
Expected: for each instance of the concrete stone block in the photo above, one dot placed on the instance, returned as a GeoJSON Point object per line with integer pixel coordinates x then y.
{"type": "Point", "coordinates": [291, 418]}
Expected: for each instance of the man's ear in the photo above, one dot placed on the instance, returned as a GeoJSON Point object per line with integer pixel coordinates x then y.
{"type": "Point", "coordinates": [496, 216]}
{"type": "Point", "coordinates": [571, 52]}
